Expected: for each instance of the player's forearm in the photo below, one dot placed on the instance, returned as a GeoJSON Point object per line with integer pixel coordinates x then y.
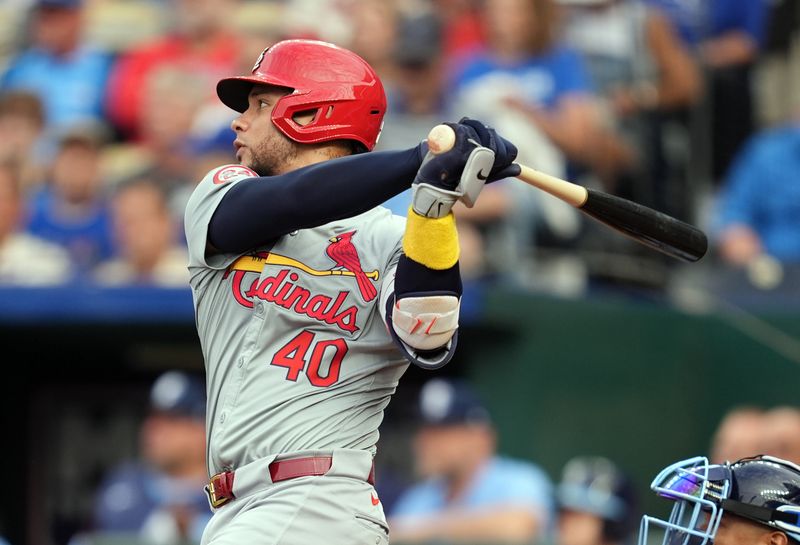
{"type": "Point", "coordinates": [424, 311]}
{"type": "Point", "coordinates": [413, 278]}
{"type": "Point", "coordinates": [259, 210]}
{"type": "Point", "coordinates": [427, 291]}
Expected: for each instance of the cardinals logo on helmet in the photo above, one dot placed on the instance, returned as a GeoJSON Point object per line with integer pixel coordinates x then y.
{"type": "Point", "coordinates": [259, 60]}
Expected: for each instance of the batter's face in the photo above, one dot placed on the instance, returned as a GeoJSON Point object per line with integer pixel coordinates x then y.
{"type": "Point", "coordinates": [259, 144]}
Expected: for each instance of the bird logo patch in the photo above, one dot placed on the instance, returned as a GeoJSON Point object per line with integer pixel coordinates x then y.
{"type": "Point", "coordinates": [342, 251]}
{"type": "Point", "coordinates": [283, 286]}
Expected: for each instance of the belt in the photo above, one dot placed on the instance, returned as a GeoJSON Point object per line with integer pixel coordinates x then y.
{"type": "Point", "coordinates": [220, 486]}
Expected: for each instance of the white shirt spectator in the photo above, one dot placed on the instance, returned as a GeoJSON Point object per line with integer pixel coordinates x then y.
{"type": "Point", "coordinates": [26, 260]}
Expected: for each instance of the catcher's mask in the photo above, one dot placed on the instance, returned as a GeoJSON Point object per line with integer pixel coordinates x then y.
{"type": "Point", "coordinates": [763, 489]}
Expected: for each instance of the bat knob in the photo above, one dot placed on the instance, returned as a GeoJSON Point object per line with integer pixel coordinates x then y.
{"type": "Point", "coordinates": [441, 138]}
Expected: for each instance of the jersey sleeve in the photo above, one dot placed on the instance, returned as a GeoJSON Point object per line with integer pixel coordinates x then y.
{"type": "Point", "coordinates": [200, 208]}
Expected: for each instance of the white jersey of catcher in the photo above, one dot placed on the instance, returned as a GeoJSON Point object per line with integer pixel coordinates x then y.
{"type": "Point", "coordinates": [296, 347]}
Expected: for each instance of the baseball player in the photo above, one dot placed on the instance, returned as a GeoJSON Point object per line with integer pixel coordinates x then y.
{"type": "Point", "coordinates": [311, 300]}
{"type": "Point", "coordinates": [754, 501]}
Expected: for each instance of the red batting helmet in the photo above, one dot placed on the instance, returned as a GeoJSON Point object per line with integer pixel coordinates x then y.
{"type": "Point", "coordinates": [343, 89]}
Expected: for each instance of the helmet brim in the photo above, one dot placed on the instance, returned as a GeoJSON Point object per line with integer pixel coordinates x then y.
{"type": "Point", "coordinates": [234, 92]}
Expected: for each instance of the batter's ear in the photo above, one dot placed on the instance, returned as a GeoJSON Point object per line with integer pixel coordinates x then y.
{"type": "Point", "coordinates": [777, 538]}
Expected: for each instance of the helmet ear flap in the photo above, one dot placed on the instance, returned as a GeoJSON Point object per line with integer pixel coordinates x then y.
{"type": "Point", "coordinates": [333, 119]}
{"type": "Point", "coordinates": [305, 118]}
{"type": "Point", "coordinates": [321, 116]}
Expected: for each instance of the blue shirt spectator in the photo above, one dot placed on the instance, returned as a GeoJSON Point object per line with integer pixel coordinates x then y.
{"type": "Point", "coordinates": [25, 259]}
{"type": "Point", "coordinates": [160, 496]}
{"type": "Point", "coordinates": [727, 38]}
{"type": "Point", "coordinates": [72, 209]}
{"type": "Point", "coordinates": [131, 498]}
{"type": "Point", "coordinates": [540, 80]}
{"type": "Point", "coordinates": [529, 85]}
{"type": "Point", "coordinates": [543, 100]}
{"type": "Point", "coordinates": [87, 236]}
{"type": "Point", "coordinates": [761, 198]}
{"type": "Point", "coordinates": [703, 19]}
{"type": "Point", "coordinates": [537, 91]}
{"type": "Point", "coordinates": [501, 481]}
{"type": "Point", "coordinates": [67, 75]}
{"type": "Point", "coordinates": [468, 493]}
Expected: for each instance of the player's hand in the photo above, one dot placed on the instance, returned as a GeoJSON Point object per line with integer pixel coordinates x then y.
{"type": "Point", "coordinates": [504, 151]}
{"type": "Point", "coordinates": [456, 174]}
{"type": "Point", "coordinates": [444, 170]}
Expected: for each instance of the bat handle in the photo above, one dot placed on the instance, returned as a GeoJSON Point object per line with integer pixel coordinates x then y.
{"type": "Point", "coordinates": [442, 138]}
{"type": "Point", "coordinates": [573, 194]}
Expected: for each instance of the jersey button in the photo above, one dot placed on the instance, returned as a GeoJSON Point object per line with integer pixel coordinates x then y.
{"type": "Point", "coordinates": [240, 362]}
{"type": "Point", "coordinates": [259, 309]}
{"type": "Point", "coordinates": [222, 418]}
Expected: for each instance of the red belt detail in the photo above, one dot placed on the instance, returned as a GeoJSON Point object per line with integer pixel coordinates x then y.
{"type": "Point", "coordinates": [292, 468]}
{"type": "Point", "coordinates": [220, 487]}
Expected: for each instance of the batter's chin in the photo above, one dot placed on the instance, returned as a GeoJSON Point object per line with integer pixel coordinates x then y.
{"type": "Point", "coordinates": [258, 170]}
{"type": "Point", "coordinates": [250, 165]}
{"type": "Point", "coordinates": [258, 167]}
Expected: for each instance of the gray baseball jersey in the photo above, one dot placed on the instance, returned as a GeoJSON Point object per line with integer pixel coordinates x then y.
{"type": "Point", "coordinates": [296, 347]}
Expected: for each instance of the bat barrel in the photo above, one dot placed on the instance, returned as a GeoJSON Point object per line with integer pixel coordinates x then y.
{"type": "Point", "coordinates": [651, 227]}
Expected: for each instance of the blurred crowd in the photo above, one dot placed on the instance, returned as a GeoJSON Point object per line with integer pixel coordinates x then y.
{"type": "Point", "coordinates": [108, 117]}
{"type": "Point", "coordinates": [456, 486]}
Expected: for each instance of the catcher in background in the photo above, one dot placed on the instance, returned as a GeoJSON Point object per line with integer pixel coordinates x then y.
{"type": "Point", "coordinates": [754, 501]}
{"type": "Point", "coordinates": [310, 299]}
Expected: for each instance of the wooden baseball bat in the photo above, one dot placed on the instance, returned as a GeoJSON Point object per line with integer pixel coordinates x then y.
{"type": "Point", "coordinates": [652, 228]}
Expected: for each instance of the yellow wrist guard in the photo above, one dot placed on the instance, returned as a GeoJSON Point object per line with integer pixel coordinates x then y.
{"type": "Point", "coordinates": [432, 242]}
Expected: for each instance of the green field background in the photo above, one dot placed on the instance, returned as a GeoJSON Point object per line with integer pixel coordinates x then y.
{"type": "Point", "coordinates": [644, 384]}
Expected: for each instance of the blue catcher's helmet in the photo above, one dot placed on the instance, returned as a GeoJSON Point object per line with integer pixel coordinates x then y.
{"type": "Point", "coordinates": [763, 489]}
